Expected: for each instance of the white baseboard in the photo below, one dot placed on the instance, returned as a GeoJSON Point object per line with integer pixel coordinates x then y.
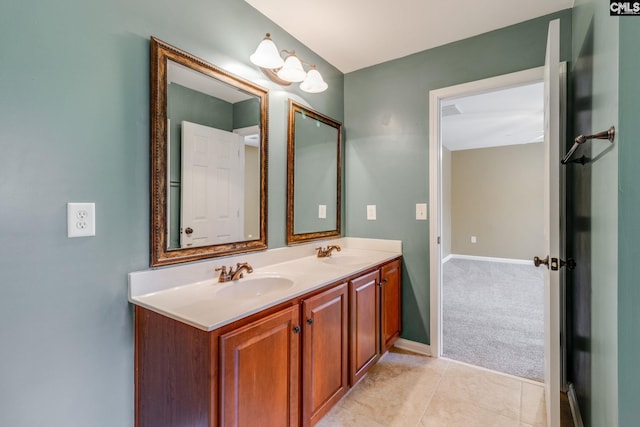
{"type": "Point", "coordinates": [575, 408]}
{"type": "Point", "coordinates": [487, 258]}
{"type": "Point", "coordinates": [416, 347]}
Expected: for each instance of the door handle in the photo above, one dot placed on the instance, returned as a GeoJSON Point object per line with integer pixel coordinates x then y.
{"type": "Point", "coordinates": [189, 230]}
{"type": "Point", "coordinates": [537, 261]}
{"type": "Point", "coordinates": [555, 263]}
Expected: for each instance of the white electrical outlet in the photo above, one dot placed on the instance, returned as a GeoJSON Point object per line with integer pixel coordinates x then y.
{"type": "Point", "coordinates": [371, 212]}
{"type": "Point", "coordinates": [421, 211]}
{"type": "Point", "coordinates": [81, 219]}
{"type": "Point", "coordinates": [474, 239]}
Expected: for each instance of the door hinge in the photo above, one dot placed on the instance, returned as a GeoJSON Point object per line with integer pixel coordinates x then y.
{"type": "Point", "coordinates": [438, 239]}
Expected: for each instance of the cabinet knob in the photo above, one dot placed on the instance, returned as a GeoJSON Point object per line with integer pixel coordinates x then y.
{"type": "Point", "coordinates": [310, 321]}
{"type": "Point", "coordinates": [296, 329]}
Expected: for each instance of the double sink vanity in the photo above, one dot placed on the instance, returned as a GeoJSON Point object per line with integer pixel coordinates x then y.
{"type": "Point", "coordinates": [279, 346]}
{"type": "Point", "coordinates": [247, 335]}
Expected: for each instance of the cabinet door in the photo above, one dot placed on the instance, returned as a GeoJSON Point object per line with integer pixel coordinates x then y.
{"type": "Point", "coordinates": [364, 323]}
{"type": "Point", "coordinates": [260, 372]}
{"type": "Point", "coordinates": [325, 341]}
{"type": "Point", "coordinates": [391, 290]}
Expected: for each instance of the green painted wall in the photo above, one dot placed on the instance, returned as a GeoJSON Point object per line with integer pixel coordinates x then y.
{"type": "Point", "coordinates": [246, 113]}
{"type": "Point", "coordinates": [74, 126]}
{"type": "Point", "coordinates": [628, 224]}
{"type": "Point", "coordinates": [593, 16]}
{"type": "Point", "coordinates": [387, 140]}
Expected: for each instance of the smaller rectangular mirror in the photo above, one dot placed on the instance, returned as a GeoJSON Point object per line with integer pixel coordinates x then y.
{"type": "Point", "coordinates": [314, 175]}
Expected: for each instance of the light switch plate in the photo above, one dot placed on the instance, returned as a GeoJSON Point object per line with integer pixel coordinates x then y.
{"type": "Point", "coordinates": [322, 211]}
{"type": "Point", "coordinates": [81, 219]}
{"type": "Point", "coordinates": [421, 211]}
{"type": "Point", "coordinates": [371, 212]}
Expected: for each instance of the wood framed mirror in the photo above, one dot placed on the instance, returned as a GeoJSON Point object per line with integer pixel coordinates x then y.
{"type": "Point", "coordinates": [208, 159]}
{"type": "Point", "coordinates": [314, 175]}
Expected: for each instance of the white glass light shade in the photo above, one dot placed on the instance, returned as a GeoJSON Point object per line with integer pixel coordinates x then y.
{"type": "Point", "coordinates": [267, 54]}
{"type": "Point", "coordinates": [314, 82]}
{"type": "Point", "coordinates": [292, 70]}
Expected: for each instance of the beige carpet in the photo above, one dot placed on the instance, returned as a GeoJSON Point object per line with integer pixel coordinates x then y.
{"type": "Point", "coordinates": [493, 316]}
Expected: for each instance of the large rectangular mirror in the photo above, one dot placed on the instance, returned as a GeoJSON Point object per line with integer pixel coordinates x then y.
{"type": "Point", "coordinates": [208, 159]}
{"type": "Point", "coordinates": [314, 175]}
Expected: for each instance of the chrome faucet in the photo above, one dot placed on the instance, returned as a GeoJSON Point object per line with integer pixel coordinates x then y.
{"type": "Point", "coordinates": [326, 252]}
{"type": "Point", "coordinates": [231, 274]}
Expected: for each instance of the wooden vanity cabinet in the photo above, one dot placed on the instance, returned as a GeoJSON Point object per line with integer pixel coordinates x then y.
{"type": "Point", "coordinates": [325, 352]}
{"type": "Point", "coordinates": [391, 303]}
{"type": "Point", "coordinates": [175, 373]}
{"type": "Point", "coordinates": [365, 324]}
{"type": "Point", "coordinates": [283, 367]}
{"type": "Point", "coordinates": [259, 372]}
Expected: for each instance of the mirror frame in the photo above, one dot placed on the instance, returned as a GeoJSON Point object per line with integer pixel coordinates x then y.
{"type": "Point", "coordinates": [161, 52]}
{"type": "Point", "coordinates": [293, 238]}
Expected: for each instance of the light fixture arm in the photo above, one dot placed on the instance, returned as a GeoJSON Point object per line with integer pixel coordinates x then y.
{"type": "Point", "coordinates": [273, 75]}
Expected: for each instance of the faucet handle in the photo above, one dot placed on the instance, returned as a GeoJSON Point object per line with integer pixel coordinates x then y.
{"type": "Point", "coordinates": [224, 276]}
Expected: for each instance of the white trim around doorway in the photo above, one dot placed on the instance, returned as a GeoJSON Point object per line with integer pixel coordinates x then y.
{"type": "Point", "coordinates": [519, 78]}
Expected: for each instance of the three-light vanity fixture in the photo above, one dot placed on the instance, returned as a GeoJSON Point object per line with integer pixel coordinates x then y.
{"type": "Point", "coordinates": [288, 70]}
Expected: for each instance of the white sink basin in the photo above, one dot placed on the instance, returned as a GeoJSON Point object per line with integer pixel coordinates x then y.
{"type": "Point", "coordinates": [346, 260]}
{"type": "Point", "coordinates": [253, 287]}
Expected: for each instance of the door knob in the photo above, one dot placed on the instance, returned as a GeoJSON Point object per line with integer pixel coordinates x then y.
{"type": "Point", "coordinates": [189, 230]}
{"type": "Point", "coordinates": [538, 262]}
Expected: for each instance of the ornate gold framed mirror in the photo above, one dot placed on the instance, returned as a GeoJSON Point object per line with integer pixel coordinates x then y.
{"type": "Point", "coordinates": [208, 159]}
{"type": "Point", "coordinates": [314, 175]}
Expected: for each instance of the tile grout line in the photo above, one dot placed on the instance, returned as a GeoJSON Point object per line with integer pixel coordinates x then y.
{"type": "Point", "coordinates": [521, 402]}
{"type": "Point", "coordinates": [433, 393]}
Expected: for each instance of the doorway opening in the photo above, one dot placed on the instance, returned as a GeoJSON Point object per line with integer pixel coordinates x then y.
{"type": "Point", "coordinates": [490, 170]}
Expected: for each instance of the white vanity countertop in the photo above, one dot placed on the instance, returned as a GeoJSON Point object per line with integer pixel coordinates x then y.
{"type": "Point", "coordinates": [191, 293]}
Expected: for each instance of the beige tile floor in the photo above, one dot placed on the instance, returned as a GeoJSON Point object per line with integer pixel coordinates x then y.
{"type": "Point", "coordinates": [410, 390]}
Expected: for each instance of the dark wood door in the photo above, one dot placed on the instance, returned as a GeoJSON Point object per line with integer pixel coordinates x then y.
{"type": "Point", "coordinates": [391, 293]}
{"type": "Point", "coordinates": [325, 342]}
{"type": "Point", "coordinates": [365, 324]}
{"type": "Point", "coordinates": [260, 372]}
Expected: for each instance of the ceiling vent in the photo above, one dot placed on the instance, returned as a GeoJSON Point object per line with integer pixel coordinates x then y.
{"type": "Point", "coordinates": [451, 110]}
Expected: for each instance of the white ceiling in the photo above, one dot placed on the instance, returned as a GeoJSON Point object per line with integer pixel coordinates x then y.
{"type": "Point", "coordinates": [502, 117]}
{"type": "Point", "coordinates": [187, 77]}
{"type": "Point", "coordinates": [354, 34]}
